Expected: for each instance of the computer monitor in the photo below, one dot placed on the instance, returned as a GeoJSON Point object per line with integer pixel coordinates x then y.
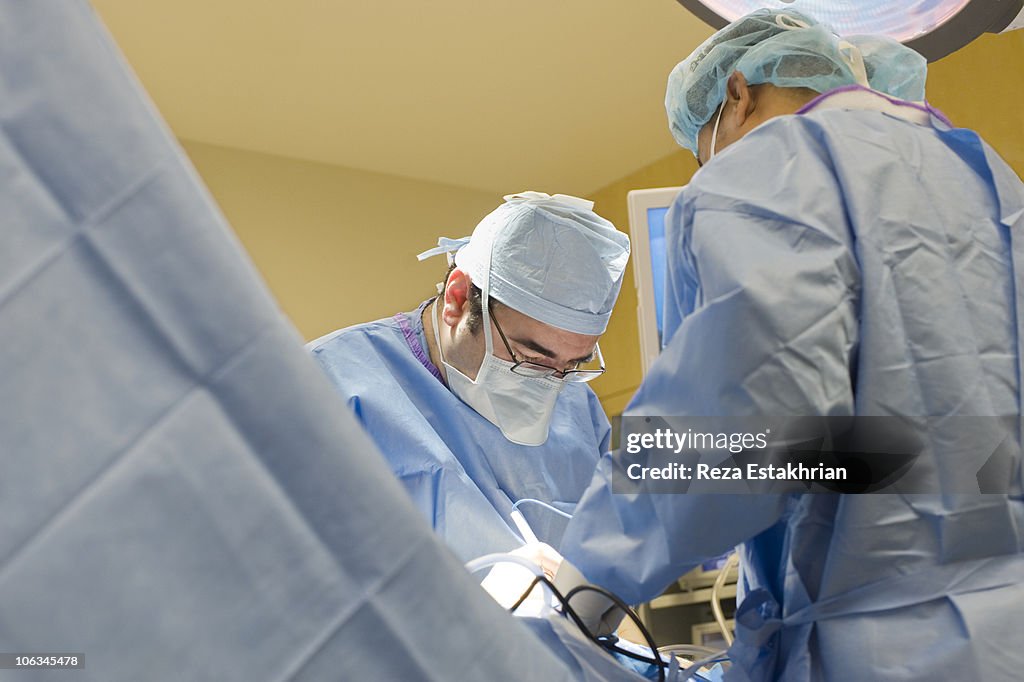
{"type": "Point", "coordinates": [647, 209]}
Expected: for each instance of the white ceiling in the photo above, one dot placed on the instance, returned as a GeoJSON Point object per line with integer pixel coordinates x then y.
{"type": "Point", "coordinates": [557, 95]}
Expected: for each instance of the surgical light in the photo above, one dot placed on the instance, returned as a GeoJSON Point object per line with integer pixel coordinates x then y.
{"type": "Point", "coordinates": [935, 28]}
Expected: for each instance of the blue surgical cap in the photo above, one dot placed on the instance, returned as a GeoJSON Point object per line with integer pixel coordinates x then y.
{"type": "Point", "coordinates": [790, 50]}
{"type": "Point", "coordinates": [892, 67]}
{"type": "Point", "coordinates": [550, 257]}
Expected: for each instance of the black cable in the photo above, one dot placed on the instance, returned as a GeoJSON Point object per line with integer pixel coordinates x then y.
{"type": "Point", "coordinates": [564, 601]}
{"type": "Point", "coordinates": [645, 659]}
{"type": "Point", "coordinates": [632, 616]}
{"type": "Point", "coordinates": [605, 644]}
{"type": "Point", "coordinates": [525, 594]}
{"type": "Point", "coordinates": [632, 654]}
{"type": "Point", "coordinates": [566, 609]}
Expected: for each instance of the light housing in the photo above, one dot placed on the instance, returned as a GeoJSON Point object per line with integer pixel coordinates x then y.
{"type": "Point", "coordinates": [935, 28]}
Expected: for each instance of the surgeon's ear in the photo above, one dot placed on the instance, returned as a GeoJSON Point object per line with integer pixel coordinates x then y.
{"type": "Point", "coordinates": [456, 295]}
{"type": "Point", "coordinates": [740, 92]}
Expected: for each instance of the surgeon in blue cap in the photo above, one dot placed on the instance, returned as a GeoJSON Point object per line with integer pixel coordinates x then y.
{"type": "Point", "coordinates": [478, 398]}
{"type": "Point", "coordinates": [843, 251]}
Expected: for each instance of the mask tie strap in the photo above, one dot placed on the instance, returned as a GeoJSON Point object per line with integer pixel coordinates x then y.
{"type": "Point", "coordinates": [445, 245]}
{"type": "Point", "coordinates": [714, 131]}
{"type": "Point", "coordinates": [851, 54]}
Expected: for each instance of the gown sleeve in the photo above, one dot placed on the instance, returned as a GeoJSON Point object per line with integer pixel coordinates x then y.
{"type": "Point", "coordinates": [761, 315]}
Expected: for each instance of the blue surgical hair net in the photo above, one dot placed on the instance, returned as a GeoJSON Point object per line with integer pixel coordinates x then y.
{"type": "Point", "coordinates": [787, 49]}
{"type": "Point", "coordinates": [892, 67]}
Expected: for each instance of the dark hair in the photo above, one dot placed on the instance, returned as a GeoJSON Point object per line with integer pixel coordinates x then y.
{"type": "Point", "coordinates": [476, 311]}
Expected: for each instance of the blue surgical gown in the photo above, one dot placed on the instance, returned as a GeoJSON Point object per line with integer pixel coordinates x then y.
{"type": "Point", "coordinates": [462, 473]}
{"type": "Point", "coordinates": [839, 262]}
{"type": "Point", "coordinates": [182, 494]}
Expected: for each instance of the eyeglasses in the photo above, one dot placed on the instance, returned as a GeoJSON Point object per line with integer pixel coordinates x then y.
{"type": "Point", "coordinates": [538, 371]}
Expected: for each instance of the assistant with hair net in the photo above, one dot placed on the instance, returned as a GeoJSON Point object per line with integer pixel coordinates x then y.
{"type": "Point", "coordinates": [845, 250]}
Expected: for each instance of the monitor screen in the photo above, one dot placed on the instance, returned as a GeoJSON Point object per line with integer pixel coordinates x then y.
{"type": "Point", "coordinates": [656, 240]}
{"type": "Point", "coordinates": [647, 211]}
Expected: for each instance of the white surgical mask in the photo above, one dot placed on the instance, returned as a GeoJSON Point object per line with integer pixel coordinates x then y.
{"type": "Point", "coordinates": [520, 406]}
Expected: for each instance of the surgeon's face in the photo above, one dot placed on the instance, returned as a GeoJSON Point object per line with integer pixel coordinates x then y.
{"type": "Point", "coordinates": [519, 338]}
{"type": "Point", "coordinates": [529, 339]}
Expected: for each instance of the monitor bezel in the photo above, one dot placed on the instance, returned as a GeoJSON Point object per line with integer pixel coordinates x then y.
{"type": "Point", "coordinates": [638, 202]}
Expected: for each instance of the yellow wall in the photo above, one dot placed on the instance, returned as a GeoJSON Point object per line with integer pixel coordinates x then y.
{"type": "Point", "coordinates": [337, 246]}
{"type": "Point", "coordinates": [620, 343]}
{"type": "Point", "coordinates": [982, 87]}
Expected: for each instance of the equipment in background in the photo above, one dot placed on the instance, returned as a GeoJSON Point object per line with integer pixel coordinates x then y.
{"type": "Point", "coordinates": [693, 609]}
{"type": "Point", "coordinates": [709, 635]}
{"type": "Point", "coordinates": [685, 612]}
{"type": "Point", "coordinates": [935, 28]}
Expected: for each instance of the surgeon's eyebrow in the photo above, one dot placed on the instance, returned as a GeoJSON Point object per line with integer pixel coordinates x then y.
{"type": "Point", "coordinates": [585, 359]}
{"type": "Point", "coordinates": [537, 348]}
